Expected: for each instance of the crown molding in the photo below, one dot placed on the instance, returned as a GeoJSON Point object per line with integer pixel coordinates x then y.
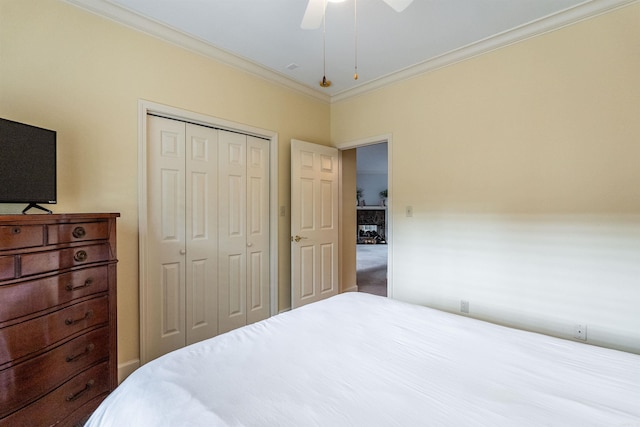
{"type": "Point", "coordinates": [124, 16]}
{"type": "Point", "coordinates": [547, 24]}
{"type": "Point", "coordinates": [159, 30]}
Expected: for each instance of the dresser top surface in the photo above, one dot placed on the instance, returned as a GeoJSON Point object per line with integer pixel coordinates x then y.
{"type": "Point", "coordinates": [49, 218]}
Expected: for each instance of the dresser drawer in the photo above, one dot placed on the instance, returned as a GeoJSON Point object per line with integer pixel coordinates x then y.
{"type": "Point", "coordinates": [21, 236]}
{"type": "Point", "coordinates": [65, 233]}
{"type": "Point", "coordinates": [42, 262]}
{"type": "Point", "coordinates": [20, 299]}
{"type": "Point", "coordinates": [7, 267]}
{"type": "Point", "coordinates": [55, 406]}
{"type": "Point", "coordinates": [31, 379]}
{"type": "Point", "coordinates": [80, 417]}
{"type": "Point", "coordinates": [27, 337]}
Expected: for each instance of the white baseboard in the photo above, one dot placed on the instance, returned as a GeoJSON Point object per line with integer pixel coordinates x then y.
{"type": "Point", "coordinates": [125, 369]}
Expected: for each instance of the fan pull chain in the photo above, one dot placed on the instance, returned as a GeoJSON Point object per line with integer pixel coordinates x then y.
{"type": "Point", "coordinates": [355, 31]}
{"type": "Point", "coordinates": [324, 82]}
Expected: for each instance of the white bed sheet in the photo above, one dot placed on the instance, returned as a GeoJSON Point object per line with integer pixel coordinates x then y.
{"type": "Point", "coordinates": [363, 360]}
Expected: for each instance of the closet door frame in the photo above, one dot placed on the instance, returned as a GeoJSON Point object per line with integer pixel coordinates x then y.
{"type": "Point", "coordinates": [148, 107]}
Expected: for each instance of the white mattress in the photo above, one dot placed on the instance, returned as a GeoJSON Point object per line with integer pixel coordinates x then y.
{"type": "Point", "coordinates": [363, 360]}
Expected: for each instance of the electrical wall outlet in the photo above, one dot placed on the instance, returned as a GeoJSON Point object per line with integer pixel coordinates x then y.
{"type": "Point", "coordinates": [580, 332]}
{"type": "Point", "coordinates": [464, 306]}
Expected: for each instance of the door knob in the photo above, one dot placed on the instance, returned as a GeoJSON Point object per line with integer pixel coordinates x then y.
{"type": "Point", "coordinates": [249, 245]}
{"type": "Point", "coordinates": [183, 252]}
{"type": "Point", "coordinates": [297, 238]}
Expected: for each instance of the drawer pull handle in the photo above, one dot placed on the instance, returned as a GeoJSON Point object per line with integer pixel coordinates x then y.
{"type": "Point", "coordinates": [79, 394]}
{"type": "Point", "coordinates": [80, 256]}
{"type": "Point", "coordinates": [86, 284]}
{"type": "Point", "coordinates": [15, 230]}
{"type": "Point", "coordinates": [79, 232]}
{"type": "Point", "coordinates": [87, 315]}
{"type": "Point", "coordinates": [86, 351]}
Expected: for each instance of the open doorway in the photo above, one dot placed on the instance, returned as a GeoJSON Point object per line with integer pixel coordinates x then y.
{"type": "Point", "coordinates": [372, 218]}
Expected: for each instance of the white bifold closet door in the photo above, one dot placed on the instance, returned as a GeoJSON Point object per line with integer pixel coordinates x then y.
{"type": "Point", "coordinates": [207, 257]}
{"type": "Point", "coordinates": [243, 230]}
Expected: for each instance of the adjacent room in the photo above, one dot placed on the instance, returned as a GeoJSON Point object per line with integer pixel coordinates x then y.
{"type": "Point", "coordinates": [371, 218]}
{"type": "Point", "coordinates": [225, 171]}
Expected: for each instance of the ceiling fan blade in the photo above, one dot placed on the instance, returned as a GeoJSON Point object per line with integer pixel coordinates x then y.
{"type": "Point", "coordinates": [313, 15]}
{"type": "Point", "coordinates": [398, 5]}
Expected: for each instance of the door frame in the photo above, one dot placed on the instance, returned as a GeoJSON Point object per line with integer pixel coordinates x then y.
{"type": "Point", "coordinates": [147, 107]}
{"type": "Point", "coordinates": [372, 140]}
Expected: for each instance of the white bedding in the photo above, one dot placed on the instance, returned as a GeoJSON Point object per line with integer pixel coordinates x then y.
{"type": "Point", "coordinates": [363, 360]}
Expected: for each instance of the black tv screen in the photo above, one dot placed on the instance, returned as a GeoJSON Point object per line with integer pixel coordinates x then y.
{"type": "Point", "coordinates": [27, 163]}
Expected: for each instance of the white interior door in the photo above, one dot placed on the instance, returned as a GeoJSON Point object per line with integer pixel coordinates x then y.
{"type": "Point", "coordinates": [181, 243]}
{"type": "Point", "coordinates": [165, 290]}
{"type": "Point", "coordinates": [201, 233]}
{"type": "Point", "coordinates": [258, 230]}
{"type": "Point", "coordinates": [243, 230]}
{"type": "Point", "coordinates": [232, 262]}
{"type": "Point", "coordinates": [314, 222]}
{"type": "Point", "coordinates": [180, 297]}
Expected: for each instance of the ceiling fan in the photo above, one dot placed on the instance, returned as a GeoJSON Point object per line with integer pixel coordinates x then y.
{"type": "Point", "coordinates": [315, 11]}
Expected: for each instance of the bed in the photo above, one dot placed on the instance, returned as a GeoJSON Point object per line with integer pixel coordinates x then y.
{"type": "Point", "coordinates": [363, 360]}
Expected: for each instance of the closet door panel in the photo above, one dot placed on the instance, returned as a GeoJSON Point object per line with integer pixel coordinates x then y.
{"type": "Point", "coordinates": [257, 211]}
{"type": "Point", "coordinates": [232, 238]}
{"type": "Point", "coordinates": [257, 300]}
{"type": "Point", "coordinates": [171, 313]}
{"type": "Point", "coordinates": [201, 232]}
{"type": "Point", "coordinates": [164, 294]}
{"type": "Point", "coordinates": [235, 295]}
{"type": "Point", "coordinates": [198, 312]}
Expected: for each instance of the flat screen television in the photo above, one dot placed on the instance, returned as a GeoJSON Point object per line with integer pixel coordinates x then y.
{"type": "Point", "coordinates": [27, 165]}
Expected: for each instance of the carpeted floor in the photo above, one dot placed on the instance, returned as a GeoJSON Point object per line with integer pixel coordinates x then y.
{"type": "Point", "coordinates": [371, 269]}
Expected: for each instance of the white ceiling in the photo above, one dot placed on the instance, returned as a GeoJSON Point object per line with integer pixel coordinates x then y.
{"type": "Point", "coordinates": [268, 33]}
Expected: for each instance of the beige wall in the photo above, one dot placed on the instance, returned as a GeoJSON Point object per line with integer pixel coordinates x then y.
{"type": "Point", "coordinates": [523, 170]}
{"type": "Point", "coordinates": [68, 70]}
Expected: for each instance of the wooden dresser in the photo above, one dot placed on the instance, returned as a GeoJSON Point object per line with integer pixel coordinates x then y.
{"type": "Point", "coordinates": [58, 356]}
